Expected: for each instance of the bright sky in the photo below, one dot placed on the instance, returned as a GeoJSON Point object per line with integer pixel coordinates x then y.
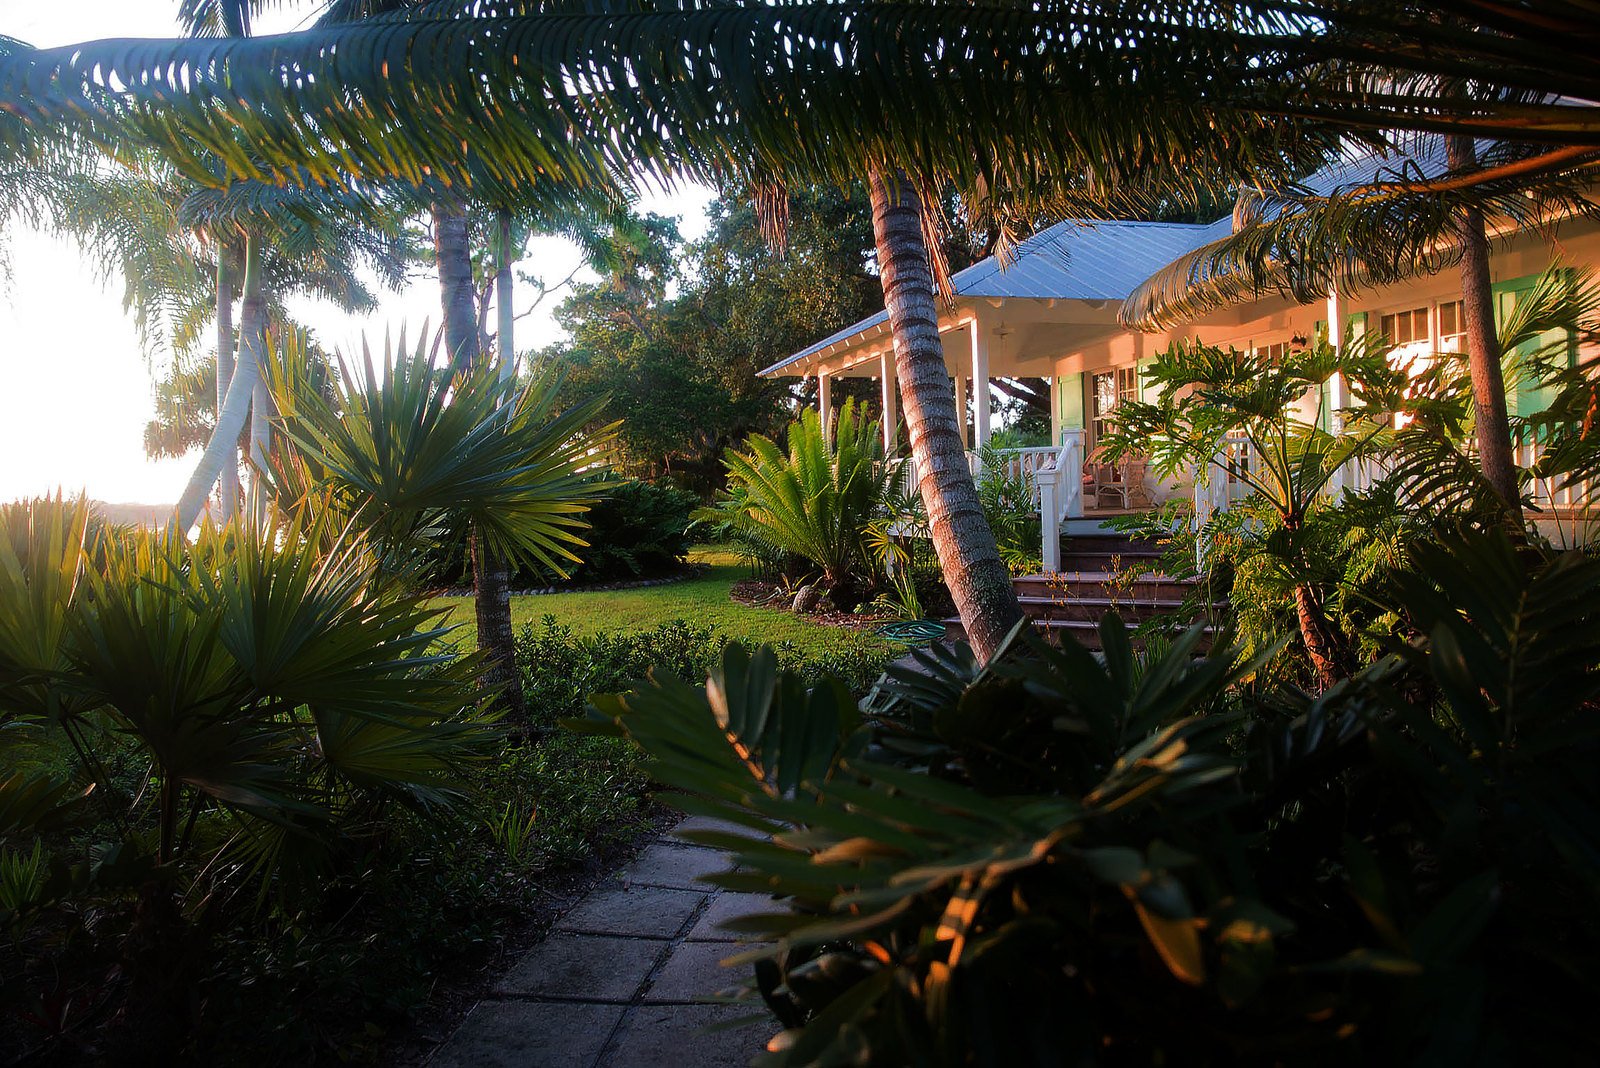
{"type": "Point", "coordinates": [75, 385]}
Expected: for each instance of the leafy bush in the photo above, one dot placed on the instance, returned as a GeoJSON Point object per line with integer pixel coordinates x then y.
{"type": "Point", "coordinates": [1008, 507]}
{"type": "Point", "coordinates": [560, 669]}
{"type": "Point", "coordinates": [637, 530]}
{"type": "Point", "coordinates": [1063, 858]}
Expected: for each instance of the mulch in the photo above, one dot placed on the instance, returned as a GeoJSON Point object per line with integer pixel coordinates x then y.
{"type": "Point", "coordinates": [760, 593]}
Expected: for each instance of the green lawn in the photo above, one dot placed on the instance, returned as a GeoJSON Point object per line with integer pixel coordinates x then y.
{"type": "Point", "coordinates": [703, 600]}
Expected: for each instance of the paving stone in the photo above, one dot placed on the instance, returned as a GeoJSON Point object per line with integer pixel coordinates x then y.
{"type": "Point", "coordinates": [706, 823]}
{"type": "Point", "coordinates": [656, 1035]}
{"type": "Point", "coordinates": [587, 967]}
{"type": "Point", "coordinates": [529, 1034]}
{"type": "Point", "coordinates": [694, 972]}
{"type": "Point", "coordinates": [675, 866]}
{"type": "Point", "coordinates": [726, 906]}
{"type": "Point", "coordinates": [647, 911]}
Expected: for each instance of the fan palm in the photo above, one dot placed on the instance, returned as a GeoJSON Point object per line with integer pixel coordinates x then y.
{"type": "Point", "coordinates": [413, 454]}
{"type": "Point", "coordinates": [281, 693]}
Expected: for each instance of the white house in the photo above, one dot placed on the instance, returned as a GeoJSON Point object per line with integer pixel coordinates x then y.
{"type": "Point", "coordinates": [1053, 313]}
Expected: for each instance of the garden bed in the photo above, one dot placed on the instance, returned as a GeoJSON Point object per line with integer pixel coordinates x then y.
{"type": "Point", "coordinates": [762, 593]}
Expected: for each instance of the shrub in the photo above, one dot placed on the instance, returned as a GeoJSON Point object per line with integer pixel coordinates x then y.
{"type": "Point", "coordinates": [637, 530]}
{"type": "Point", "coordinates": [560, 669]}
{"type": "Point", "coordinates": [1064, 858]}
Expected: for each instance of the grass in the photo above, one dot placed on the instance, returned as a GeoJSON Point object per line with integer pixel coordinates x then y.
{"type": "Point", "coordinates": [702, 600]}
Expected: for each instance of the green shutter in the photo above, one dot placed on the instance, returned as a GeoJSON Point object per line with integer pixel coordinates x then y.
{"type": "Point", "coordinates": [1524, 400]}
{"type": "Point", "coordinates": [1069, 402]}
{"type": "Point", "coordinates": [1355, 323]}
{"type": "Point", "coordinates": [1149, 392]}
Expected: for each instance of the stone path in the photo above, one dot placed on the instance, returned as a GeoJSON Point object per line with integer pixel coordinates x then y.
{"type": "Point", "coordinates": [622, 979]}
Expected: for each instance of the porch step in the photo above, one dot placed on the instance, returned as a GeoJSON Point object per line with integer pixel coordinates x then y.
{"type": "Point", "coordinates": [1147, 586]}
{"type": "Point", "coordinates": [1087, 633]}
{"type": "Point", "coordinates": [1108, 552]}
{"type": "Point", "coordinates": [1091, 609]}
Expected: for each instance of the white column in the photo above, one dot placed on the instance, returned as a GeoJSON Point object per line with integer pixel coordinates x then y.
{"type": "Point", "coordinates": [980, 382]}
{"type": "Point", "coordinates": [891, 415]}
{"type": "Point", "coordinates": [1338, 388]}
{"type": "Point", "coordinates": [961, 410]}
{"type": "Point", "coordinates": [825, 404]}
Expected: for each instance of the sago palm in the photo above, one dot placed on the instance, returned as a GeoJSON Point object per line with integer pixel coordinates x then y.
{"type": "Point", "coordinates": [814, 498]}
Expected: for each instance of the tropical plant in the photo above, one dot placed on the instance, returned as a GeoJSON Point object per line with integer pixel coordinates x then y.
{"type": "Point", "coordinates": [415, 456]}
{"type": "Point", "coordinates": [1060, 857]}
{"type": "Point", "coordinates": [248, 711]}
{"type": "Point", "coordinates": [818, 499]}
{"type": "Point", "coordinates": [1211, 397]}
{"type": "Point", "coordinates": [1010, 510]}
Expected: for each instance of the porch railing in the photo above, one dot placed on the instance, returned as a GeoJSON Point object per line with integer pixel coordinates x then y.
{"type": "Point", "coordinates": [1221, 486]}
{"type": "Point", "coordinates": [1060, 495]}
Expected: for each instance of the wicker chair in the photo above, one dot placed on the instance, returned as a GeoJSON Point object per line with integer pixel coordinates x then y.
{"type": "Point", "coordinates": [1121, 483]}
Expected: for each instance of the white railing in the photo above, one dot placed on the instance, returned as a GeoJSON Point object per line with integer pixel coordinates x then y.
{"type": "Point", "coordinates": [1552, 493]}
{"type": "Point", "coordinates": [1027, 464]}
{"type": "Point", "coordinates": [1060, 494]}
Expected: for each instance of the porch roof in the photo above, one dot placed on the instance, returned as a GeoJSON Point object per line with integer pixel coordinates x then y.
{"type": "Point", "coordinates": [1082, 260]}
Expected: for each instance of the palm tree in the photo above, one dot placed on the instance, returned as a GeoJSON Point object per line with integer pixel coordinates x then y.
{"type": "Point", "coordinates": [416, 453]}
{"type": "Point", "coordinates": [1208, 394]}
{"type": "Point", "coordinates": [1100, 99]}
{"type": "Point", "coordinates": [317, 242]}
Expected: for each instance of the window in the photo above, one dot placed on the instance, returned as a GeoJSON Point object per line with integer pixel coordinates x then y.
{"type": "Point", "coordinates": [1275, 352]}
{"type": "Point", "coordinates": [1403, 328]}
{"type": "Point", "coordinates": [1452, 328]}
{"type": "Point", "coordinates": [1109, 389]}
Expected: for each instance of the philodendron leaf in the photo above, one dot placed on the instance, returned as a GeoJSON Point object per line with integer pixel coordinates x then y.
{"type": "Point", "coordinates": [1176, 940]}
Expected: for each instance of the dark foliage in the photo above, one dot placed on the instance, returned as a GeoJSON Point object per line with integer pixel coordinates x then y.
{"type": "Point", "coordinates": [1063, 858]}
{"type": "Point", "coordinates": [636, 530]}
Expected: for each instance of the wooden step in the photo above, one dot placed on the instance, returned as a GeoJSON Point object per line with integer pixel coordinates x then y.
{"type": "Point", "coordinates": [1133, 610]}
{"type": "Point", "coordinates": [1148, 586]}
{"type": "Point", "coordinates": [1074, 560]}
{"type": "Point", "coordinates": [1087, 634]}
{"type": "Point", "coordinates": [1110, 543]}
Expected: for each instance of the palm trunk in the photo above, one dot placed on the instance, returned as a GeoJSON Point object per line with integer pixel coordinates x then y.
{"type": "Point", "coordinates": [978, 579]}
{"type": "Point", "coordinates": [228, 481]}
{"type": "Point", "coordinates": [253, 349]}
{"type": "Point", "coordinates": [223, 447]}
{"type": "Point", "coordinates": [491, 582]}
{"type": "Point", "coordinates": [502, 300]}
{"type": "Point", "coordinates": [1493, 426]}
{"type": "Point", "coordinates": [454, 259]}
{"type": "Point", "coordinates": [1325, 646]}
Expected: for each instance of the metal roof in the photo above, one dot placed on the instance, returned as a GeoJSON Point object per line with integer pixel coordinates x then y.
{"type": "Point", "coordinates": [1072, 260]}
